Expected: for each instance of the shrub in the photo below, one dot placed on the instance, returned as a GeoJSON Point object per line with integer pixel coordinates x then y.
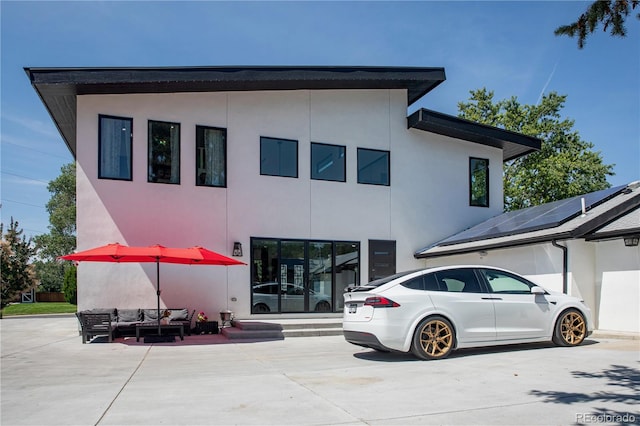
{"type": "Point", "coordinates": [70, 285]}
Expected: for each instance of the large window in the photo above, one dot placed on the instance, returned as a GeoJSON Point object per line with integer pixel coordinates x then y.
{"type": "Point", "coordinates": [211, 156]}
{"type": "Point", "coordinates": [278, 157]}
{"type": "Point", "coordinates": [114, 147]}
{"type": "Point", "coordinates": [328, 162]}
{"type": "Point", "coordinates": [373, 167]}
{"type": "Point", "coordinates": [164, 152]}
{"type": "Point", "coordinates": [301, 275]}
{"type": "Point", "coordinates": [479, 182]}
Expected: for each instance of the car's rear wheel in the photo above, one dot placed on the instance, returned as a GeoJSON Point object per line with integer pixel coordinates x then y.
{"type": "Point", "coordinates": [433, 338]}
{"type": "Point", "coordinates": [261, 308]}
{"type": "Point", "coordinates": [571, 328]}
{"type": "Point", "coordinates": [323, 306]}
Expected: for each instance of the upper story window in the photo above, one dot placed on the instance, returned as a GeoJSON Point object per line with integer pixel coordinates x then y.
{"type": "Point", "coordinates": [328, 162]}
{"type": "Point", "coordinates": [278, 157]}
{"type": "Point", "coordinates": [478, 182]}
{"type": "Point", "coordinates": [115, 136]}
{"type": "Point", "coordinates": [164, 152]}
{"type": "Point", "coordinates": [374, 167]}
{"type": "Point", "coordinates": [211, 156]}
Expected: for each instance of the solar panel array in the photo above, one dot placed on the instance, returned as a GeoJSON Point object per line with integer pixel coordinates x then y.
{"type": "Point", "coordinates": [535, 218]}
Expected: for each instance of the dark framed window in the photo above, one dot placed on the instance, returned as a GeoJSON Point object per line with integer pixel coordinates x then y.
{"type": "Point", "coordinates": [278, 157]}
{"type": "Point", "coordinates": [328, 162]}
{"type": "Point", "coordinates": [479, 182]}
{"type": "Point", "coordinates": [374, 167]}
{"type": "Point", "coordinates": [115, 144]}
{"type": "Point", "coordinates": [164, 152]}
{"type": "Point", "coordinates": [211, 156]}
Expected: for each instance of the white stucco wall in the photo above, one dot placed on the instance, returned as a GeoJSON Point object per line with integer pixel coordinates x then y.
{"type": "Point", "coordinates": [427, 199]}
{"type": "Point", "coordinates": [618, 286]}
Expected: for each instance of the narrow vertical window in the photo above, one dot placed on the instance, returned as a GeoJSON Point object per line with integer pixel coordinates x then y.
{"type": "Point", "coordinates": [211, 156]}
{"type": "Point", "coordinates": [328, 162]}
{"type": "Point", "coordinates": [479, 182]}
{"type": "Point", "coordinates": [115, 136]}
{"type": "Point", "coordinates": [278, 157]}
{"type": "Point", "coordinates": [373, 167]}
{"type": "Point", "coordinates": [164, 152]}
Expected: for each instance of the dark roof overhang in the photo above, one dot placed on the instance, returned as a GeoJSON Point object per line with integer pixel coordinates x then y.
{"type": "Point", "coordinates": [58, 87]}
{"type": "Point", "coordinates": [513, 144]}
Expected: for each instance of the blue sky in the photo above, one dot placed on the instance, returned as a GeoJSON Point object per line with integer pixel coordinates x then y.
{"type": "Point", "coordinates": [507, 47]}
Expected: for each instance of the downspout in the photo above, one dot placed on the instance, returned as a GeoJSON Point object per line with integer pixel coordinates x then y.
{"type": "Point", "coordinates": [565, 265]}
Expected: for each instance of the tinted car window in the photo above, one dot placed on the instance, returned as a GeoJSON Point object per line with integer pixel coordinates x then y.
{"type": "Point", "coordinates": [458, 280]}
{"type": "Point", "coordinates": [381, 281]}
{"type": "Point", "coordinates": [416, 283]}
{"type": "Point", "coordinates": [431, 283]}
{"type": "Point", "coordinates": [502, 282]}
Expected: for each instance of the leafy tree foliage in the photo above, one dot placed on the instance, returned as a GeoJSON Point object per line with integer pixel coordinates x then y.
{"type": "Point", "coordinates": [18, 273]}
{"type": "Point", "coordinates": [565, 166]}
{"type": "Point", "coordinates": [611, 13]}
{"type": "Point", "coordinates": [61, 238]}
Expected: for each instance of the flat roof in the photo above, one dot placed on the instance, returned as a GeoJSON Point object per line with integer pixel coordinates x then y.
{"type": "Point", "coordinates": [58, 87]}
{"type": "Point", "coordinates": [513, 144]}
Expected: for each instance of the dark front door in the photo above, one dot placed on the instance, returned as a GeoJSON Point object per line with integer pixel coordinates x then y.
{"type": "Point", "coordinates": [382, 259]}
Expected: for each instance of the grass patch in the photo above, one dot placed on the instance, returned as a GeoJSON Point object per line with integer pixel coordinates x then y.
{"type": "Point", "coordinates": [39, 308]}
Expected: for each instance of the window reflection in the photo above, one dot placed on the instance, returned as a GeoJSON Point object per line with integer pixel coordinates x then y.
{"type": "Point", "coordinates": [301, 275]}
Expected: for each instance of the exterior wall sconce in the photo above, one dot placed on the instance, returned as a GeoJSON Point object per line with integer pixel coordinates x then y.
{"type": "Point", "coordinates": [237, 249]}
{"type": "Point", "coordinates": [632, 240]}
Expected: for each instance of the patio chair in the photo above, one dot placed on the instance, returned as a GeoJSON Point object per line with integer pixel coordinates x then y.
{"type": "Point", "coordinates": [96, 325]}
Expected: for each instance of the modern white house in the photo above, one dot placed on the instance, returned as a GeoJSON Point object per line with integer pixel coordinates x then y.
{"type": "Point", "coordinates": [316, 177]}
{"type": "Point", "coordinates": [586, 246]}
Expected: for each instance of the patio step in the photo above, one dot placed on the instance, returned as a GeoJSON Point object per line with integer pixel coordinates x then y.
{"type": "Point", "coordinates": [312, 328]}
{"type": "Point", "coordinates": [283, 328]}
{"type": "Point", "coordinates": [253, 330]}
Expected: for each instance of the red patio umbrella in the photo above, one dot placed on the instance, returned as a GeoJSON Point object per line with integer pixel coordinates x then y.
{"type": "Point", "coordinates": [156, 253]}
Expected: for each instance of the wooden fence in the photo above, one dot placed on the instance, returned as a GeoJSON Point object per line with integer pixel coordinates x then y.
{"type": "Point", "coordinates": [50, 297]}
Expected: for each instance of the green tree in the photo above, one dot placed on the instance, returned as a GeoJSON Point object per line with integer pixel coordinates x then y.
{"type": "Point", "coordinates": [611, 13]}
{"type": "Point", "coordinates": [564, 167]}
{"type": "Point", "coordinates": [61, 238]}
{"type": "Point", "coordinates": [18, 273]}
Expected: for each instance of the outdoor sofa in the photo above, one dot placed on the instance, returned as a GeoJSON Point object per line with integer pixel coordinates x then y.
{"type": "Point", "coordinates": [115, 322]}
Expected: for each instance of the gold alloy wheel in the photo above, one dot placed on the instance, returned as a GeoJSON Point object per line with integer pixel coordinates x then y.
{"type": "Point", "coordinates": [573, 328]}
{"type": "Point", "coordinates": [436, 338]}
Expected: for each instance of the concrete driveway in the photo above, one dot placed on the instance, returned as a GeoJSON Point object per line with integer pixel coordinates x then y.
{"type": "Point", "coordinates": [50, 378]}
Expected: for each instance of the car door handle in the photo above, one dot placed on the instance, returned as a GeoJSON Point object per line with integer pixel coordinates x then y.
{"type": "Point", "coordinates": [492, 298]}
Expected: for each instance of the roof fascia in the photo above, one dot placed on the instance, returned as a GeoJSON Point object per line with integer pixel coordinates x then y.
{"type": "Point", "coordinates": [58, 87]}
{"type": "Point", "coordinates": [510, 244]}
{"type": "Point", "coordinates": [513, 145]}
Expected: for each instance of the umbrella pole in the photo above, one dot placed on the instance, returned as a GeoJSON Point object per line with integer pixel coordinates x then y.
{"type": "Point", "coordinates": [158, 293]}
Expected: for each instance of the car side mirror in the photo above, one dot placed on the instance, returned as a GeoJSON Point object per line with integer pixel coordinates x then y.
{"type": "Point", "coordinates": [537, 290]}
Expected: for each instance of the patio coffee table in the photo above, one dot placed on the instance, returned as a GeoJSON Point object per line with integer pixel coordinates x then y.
{"type": "Point", "coordinates": [163, 327]}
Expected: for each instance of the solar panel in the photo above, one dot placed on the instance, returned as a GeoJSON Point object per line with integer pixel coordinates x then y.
{"type": "Point", "coordinates": [535, 218]}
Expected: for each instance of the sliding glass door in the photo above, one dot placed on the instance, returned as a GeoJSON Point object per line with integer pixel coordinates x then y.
{"type": "Point", "coordinates": [291, 276]}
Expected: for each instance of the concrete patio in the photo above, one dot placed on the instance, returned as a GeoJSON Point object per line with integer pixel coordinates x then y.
{"type": "Point", "coordinates": [50, 378]}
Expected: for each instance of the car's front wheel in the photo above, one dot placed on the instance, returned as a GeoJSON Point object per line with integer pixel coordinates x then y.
{"type": "Point", "coordinates": [571, 328]}
{"type": "Point", "coordinates": [433, 338]}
